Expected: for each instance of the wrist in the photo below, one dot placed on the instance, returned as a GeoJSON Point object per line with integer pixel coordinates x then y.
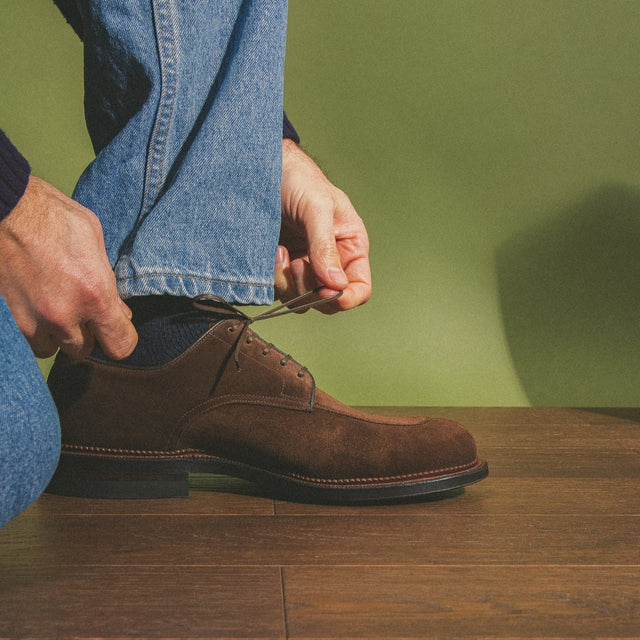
{"type": "Point", "coordinates": [291, 152]}
{"type": "Point", "coordinates": [289, 146]}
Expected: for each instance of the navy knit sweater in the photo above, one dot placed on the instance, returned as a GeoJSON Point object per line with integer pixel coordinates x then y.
{"type": "Point", "coordinates": [14, 175]}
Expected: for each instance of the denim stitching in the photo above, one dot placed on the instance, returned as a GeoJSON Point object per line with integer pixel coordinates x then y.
{"type": "Point", "coordinates": [166, 102]}
{"type": "Point", "coordinates": [192, 277]}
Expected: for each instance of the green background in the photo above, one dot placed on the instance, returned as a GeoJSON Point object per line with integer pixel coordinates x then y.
{"type": "Point", "coordinates": [493, 150]}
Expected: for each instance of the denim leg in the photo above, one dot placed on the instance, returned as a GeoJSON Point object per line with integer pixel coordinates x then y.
{"type": "Point", "coordinates": [29, 426]}
{"type": "Point", "coordinates": [184, 106]}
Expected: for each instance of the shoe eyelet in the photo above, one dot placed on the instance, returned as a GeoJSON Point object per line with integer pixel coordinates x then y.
{"type": "Point", "coordinates": [249, 340]}
{"type": "Point", "coordinates": [231, 329]}
{"type": "Point", "coordinates": [283, 362]}
{"type": "Point", "coordinates": [265, 352]}
{"type": "Point", "coordinates": [300, 374]}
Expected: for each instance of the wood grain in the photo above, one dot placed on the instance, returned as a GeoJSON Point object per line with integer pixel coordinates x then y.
{"type": "Point", "coordinates": [465, 601]}
{"type": "Point", "coordinates": [547, 547]}
{"type": "Point", "coordinates": [324, 540]}
{"type": "Point", "coordinates": [134, 601]}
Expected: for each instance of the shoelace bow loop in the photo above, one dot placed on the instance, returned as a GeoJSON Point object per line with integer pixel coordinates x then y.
{"type": "Point", "coordinates": [220, 309]}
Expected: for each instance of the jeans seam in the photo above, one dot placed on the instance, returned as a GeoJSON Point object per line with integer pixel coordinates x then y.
{"type": "Point", "coordinates": [166, 103]}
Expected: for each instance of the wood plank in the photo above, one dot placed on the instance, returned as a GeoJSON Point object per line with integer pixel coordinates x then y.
{"type": "Point", "coordinates": [510, 462]}
{"type": "Point", "coordinates": [461, 602]}
{"type": "Point", "coordinates": [323, 540]}
{"type": "Point", "coordinates": [505, 496]}
{"type": "Point", "coordinates": [520, 416]}
{"type": "Point", "coordinates": [130, 601]}
{"type": "Point", "coordinates": [617, 437]}
{"type": "Point", "coordinates": [546, 546]}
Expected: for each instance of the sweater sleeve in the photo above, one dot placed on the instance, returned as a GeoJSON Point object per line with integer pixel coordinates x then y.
{"type": "Point", "coordinates": [288, 131]}
{"type": "Point", "coordinates": [14, 175]}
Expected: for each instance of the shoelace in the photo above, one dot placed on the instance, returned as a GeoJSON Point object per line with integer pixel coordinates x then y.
{"type": "Point", "coordinates": [222, 310]}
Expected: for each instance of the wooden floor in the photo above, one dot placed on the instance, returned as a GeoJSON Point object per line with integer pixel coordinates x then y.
{"type": "Point", "coordinates": [547, 547]}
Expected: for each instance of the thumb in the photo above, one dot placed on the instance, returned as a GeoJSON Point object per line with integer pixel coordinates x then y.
{"type": "Point", "coordinates": [323, 254]}
{"type": "Point", "coordinates": [115, 332]}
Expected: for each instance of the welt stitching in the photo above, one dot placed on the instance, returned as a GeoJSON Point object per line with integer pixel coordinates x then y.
{"type": "Point", "coordinates": [199, 454]}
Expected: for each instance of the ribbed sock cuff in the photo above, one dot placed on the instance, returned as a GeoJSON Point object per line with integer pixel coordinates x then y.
{"type": "Point", "coordinates": [167, 326]}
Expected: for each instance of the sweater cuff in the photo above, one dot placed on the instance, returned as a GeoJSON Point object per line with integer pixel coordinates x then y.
{"type": "Point", "coordinates": [14, 176]}
{"type": "Point", "coordinates": [288, 131]}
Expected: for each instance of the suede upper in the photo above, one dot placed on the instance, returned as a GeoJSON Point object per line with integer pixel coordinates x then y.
{"type": "Point", "coordinates": [264, 411]}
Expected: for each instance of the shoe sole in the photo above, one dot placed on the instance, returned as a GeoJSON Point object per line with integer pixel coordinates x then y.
{"type": "Point", "coordinates": [115, 477]}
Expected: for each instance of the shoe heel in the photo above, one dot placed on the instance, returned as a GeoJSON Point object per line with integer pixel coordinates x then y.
{"type": "Point", "coordinates": [82, 478]}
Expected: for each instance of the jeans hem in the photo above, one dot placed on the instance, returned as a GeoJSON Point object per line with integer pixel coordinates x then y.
{"type": "Point", "coordinates": [191, 286]}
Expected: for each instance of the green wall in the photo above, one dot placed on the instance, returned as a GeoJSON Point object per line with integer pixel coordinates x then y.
{"type": "Point", "coordinates": [493, 149]}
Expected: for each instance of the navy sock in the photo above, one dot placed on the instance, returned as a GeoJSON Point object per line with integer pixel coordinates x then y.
{"type": "Point", "coordinates": [166, 325]}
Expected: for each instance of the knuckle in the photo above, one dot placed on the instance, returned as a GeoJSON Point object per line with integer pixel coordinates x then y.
{"type": "Point", "coordinates": [94, 223]}
{"type": "Point", "coordinates": [342, 199]}
{"type": "Point", "coordinates": [94, 293]}
{"type": "Point", "coordinates": [56, 316]}
{"type": "Point", "coordinates": [320, 204]}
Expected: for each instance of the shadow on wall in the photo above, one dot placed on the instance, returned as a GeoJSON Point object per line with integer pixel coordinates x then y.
{"type": "Point", "coordinates": [570, 296]}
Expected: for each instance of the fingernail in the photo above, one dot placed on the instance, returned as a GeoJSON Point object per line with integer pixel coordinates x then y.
{"type": "Point", "coordinates": [280, 256]}
{"type": "Point", "coordinates": [125, 307]}
{"type": "Point", "coordinates": [338, 276]}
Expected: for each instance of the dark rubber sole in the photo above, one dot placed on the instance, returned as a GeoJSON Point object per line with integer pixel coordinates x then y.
{"type": "Point", "coordinates": [114, 477]}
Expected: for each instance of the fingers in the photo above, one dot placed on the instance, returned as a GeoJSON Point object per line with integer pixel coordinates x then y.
{"type": "Point", "coordinates": [76, 338]}
{"type": "Point", "coordinates": [292, 279]}
{"type": "Point", "coordinates": [283, 283]}
{"type": "Point", "coordinates": [114, 331]}
{"type": "Point", "coordinates": [326, 238]}
{"type": "Point", "coordinates": [77, 344]}
{"type": "Point", "coordinates": [351, 274]}
{"type": "Point", "coordinates": [296, 277]}
{"type": "Point", "coordinates": [125, 309]}
{"type": "Point", "coordinates": [56, 277]}
{"type": "Point", "coordinates": [323, 250]}
{"type": "Point", "coordinates": [42, 344]}
{"type": "Point", "coordinates": [99, 314]}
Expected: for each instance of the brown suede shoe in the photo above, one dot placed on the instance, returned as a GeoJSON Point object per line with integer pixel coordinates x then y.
{"type": "Point", "coordinates": [235, 405]}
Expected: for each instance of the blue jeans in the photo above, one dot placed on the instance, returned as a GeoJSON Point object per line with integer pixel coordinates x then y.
{"type": "Point", "coordinates": [183, 104]}
{"type": "Point", "coordinates": [184, 107]}
{"type": "Point", "coordinates": [29, 427]}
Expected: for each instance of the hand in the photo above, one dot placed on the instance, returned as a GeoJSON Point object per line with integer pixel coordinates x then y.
{"type": "Point", "coordinates": [56, 278]}
{"type": "Point", "coordinates": [323, 241]}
